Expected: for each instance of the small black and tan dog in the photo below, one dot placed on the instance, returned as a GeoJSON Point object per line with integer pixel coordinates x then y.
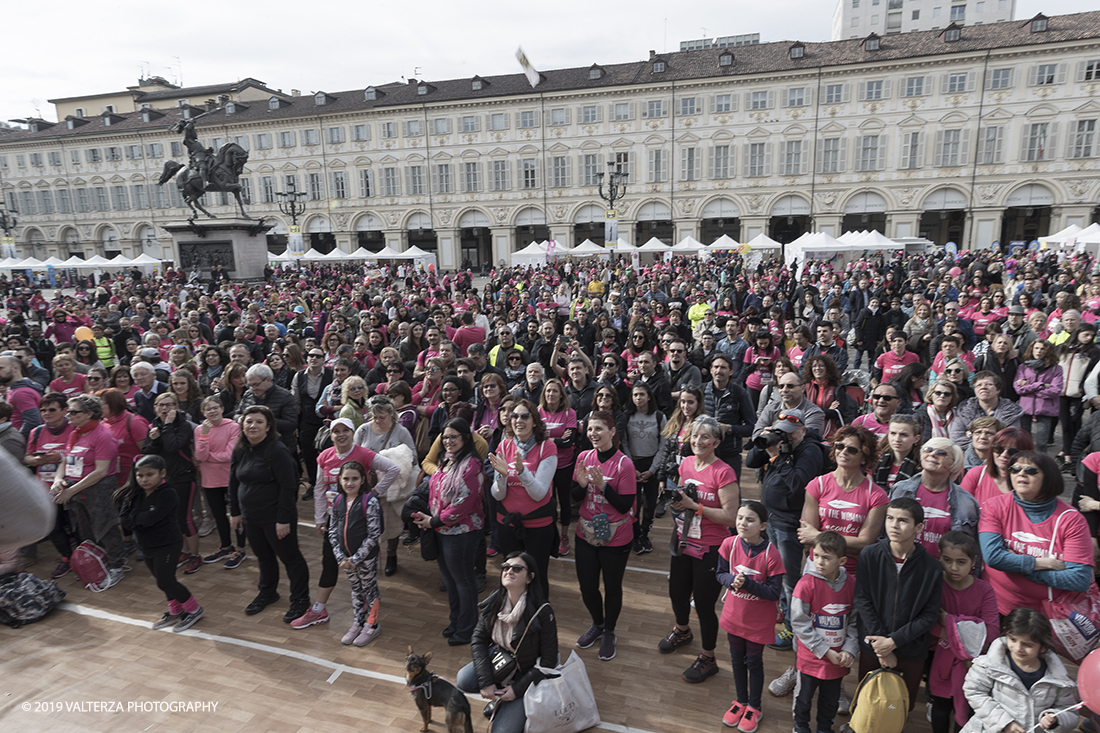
{"type": "Point", "coordinates": [430, 691]}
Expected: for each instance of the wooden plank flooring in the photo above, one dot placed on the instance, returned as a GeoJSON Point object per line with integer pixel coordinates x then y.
{"type": "Point", "coordinates": [84, 655]}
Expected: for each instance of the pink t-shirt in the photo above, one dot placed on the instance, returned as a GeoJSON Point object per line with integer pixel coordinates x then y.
{"type": "Point", "coordinates": [891, 364]}
{"type": "Point", "coordinates": [842, 511]}
{"type": "Point", "coordinates": [556, 425]}
{"type": "Point", "coordinates": [795, 354]}
{"type": "Point", "coordinates": [762, 375]}
{"type": "Point", "coordinates": [868, 421]}
{"type": "Point", "coordinates": [703, 532]}
{"type": "Point", "coordinates": [979, 484]}
{"type": "Point", "coordinates": [618, 472]}
{"type": "Point", "coordinates": [328, 477]}
{"type": "Point", "coordinates": [41, 439]}
{"type": "Point", "coordinates": [830, 611]}
{"type": "Point", "coordinates": [70, 389]}
{"type": "Point", "coordinates": [1071, 543]}
{"type": "Point", "coordinates": [744, 614]}
{"type": "Point", "coordinates": [937, 518]}
{"type": "Point", "coordinates": [517, 499]}
{"type": "Point", "coordinates": [98, 444]}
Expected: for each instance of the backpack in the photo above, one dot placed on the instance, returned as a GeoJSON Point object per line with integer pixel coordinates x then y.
{"type": "Point", "coordinates": [89, 562]}
{"type": "Point", "coordinates": [881, 703]}
{"type": "Point", "coordinates": [25, 598]}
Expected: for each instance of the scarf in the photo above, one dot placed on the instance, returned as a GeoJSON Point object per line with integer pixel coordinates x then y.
{"type": "Point", "coordinates": [939, 427]}
{"type": "Point", "coordinates": [525, 447]}
{"type": "Point", "coordinates": [453, 480]}
{"type": "Point", "coordinates": [507, 618]}
{"type": "Point", "coordinates": [1036, 365]}
{"type": "Point", "coordinates": [78, 432]}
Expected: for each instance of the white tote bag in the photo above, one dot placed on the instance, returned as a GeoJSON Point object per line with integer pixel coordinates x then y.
{"type": "Point", "coordinates": [561, 704]}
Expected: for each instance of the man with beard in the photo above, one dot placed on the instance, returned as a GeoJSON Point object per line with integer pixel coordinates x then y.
{"type": "Point", "coordinates": [22, 395]}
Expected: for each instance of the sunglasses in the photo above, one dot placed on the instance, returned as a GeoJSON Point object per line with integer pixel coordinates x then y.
{"type": "Point", "coordinates": [1029, 470]}
{"type": "Point", "coordinates": [883, 397]}
{"type": "Point", "coordinates": [999, 449]}
{"type": "Point", "coordinates": [521, 416]}
{"type": "Point", "coordinates": [676, 351]}
{"type": "Point", "coordinates": [514, 358]}
{"type": "Point", "coordinates": [75, 412]}
{"type": "Point", "coordinates": [937, 452]}
{"type": "Point", "coordinates": [315, 356]}
{"type": "Point", "coordinates": [393, 371]}
{"type": "Point", "coordinates": [952, 371]}
{"type": "Point", "coordinates": [793, 419]}
{"type": "Point", "coordinates": [849, 449]}
{"type": "Point", "coordinates": [513, 568]}
{"type": "Point", "coordinates": [941, 393]}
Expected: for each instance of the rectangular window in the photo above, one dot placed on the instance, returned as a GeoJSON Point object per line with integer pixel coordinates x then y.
{"type": "Point", "coordinates": [979, 7]}
{"type": "Point", "coordinates": [914, 86]}
{"type": "Point", "coordinates": [315, 186]}
{"type": "Point", "coordinates": [622, 111]}
{"type": "Point", "coordinates": [154, 150]}
{"type": "Point", "coordinates": [623, 167]}
{"type": "Point", "coordinates": [4, 161]}
{"type": "Point", "coordinates": [27, 203]}
{"type": "Point", "coordinates": [120, 201]}
{"type": "Point", "coordinates": [340, 184]}
{"type": "Point", "coordinates": [36, 160]}
{"type": "Point", "coordinates": [1090, 71]}
{"type": "Point", "coordinates": [335, 135]}
{"type": "Point", "coordinates": [796, 97]}
{"type": "Point", "coordinates": [45, 202]}
{"type": "Point", "coordinates": [758, 100]}
{"type": "Point", "coordinates": [1000, 79]}
{"type": "Point", "coordinates": [529, 171]}
{"type": "Point", "coordinates": [133, 152]}
{"type": "Point", "coordinates": [366, 183]}
{"type": "Point", "coordinates": [469, 123]}
{"type": "Point", "coordinates": [723, 103]}
{"type": "Point", "coordinates": [590, 114]}
{"type": "Point", "coordinates": [92, 155]}
{"type": "Point", "coordinates": [74, 158]}
{"type": "Point", "coordinates": [958, 13]}
{"type": "Point", "coordinates": [869, 153]}
{"type": "Point", "coordinates": [246, 191]}
{"type": "Point", "coordinates": [391, 182]}
{"type": "Point", "coordinates": [689, 164]}
{"type": "Point", "coordinates": [655, 108]}
{"type": "Point", "coordinates": [757, 164]}
{"type": "Point", "coordinates": [1037, 143]}
{"type": "Point", "coordinates": [21, 160]}
{"type": "Point", "coordinates": [287, 140]}
{"type": "Point", "coordinates": [54, 158]}
{"type": "Point", "coordinates": [957, 83]}
{"type": "Point", "coordinates": [64, 201]}
{"type": "Point", "coordinates": [1084, 133]}
{"type": "Point", "coordinates": [416, 180]}
{"type": "Point", "coordinates": [83, 202]}
{"type": "Point", "coordinates": [687, 106]}
{"type": "Point", "coordinates": [441, 126]}
{"type": "Point", "coordinates": [559, 169]}
{"type": "Point", "coordinates": [360, 133]}
{"type": "Point", "coordinates": [471, 177]}
{"type": "Point", "coordinates": [873, 90]}
{"type": "Point", "coordinates": [721, 161]}
{"type": "Point", "coordinates": [267, 189]}
{"type": "Point", "coordinates": [114, 153]}
{"type": "Point", "coordinates": [910, 150]}
{"type": "Point", "coordinates": [792, 157]}
{"type": "Point", "coordinates": [591, 164]}
{"type": "Point", "coordinates": [413, 128]}
{"type": "Point", "coordinates": [263, 141]}
{"type": "Point", "coordinates": [830, 155]}
{"type": "Point", "coordinates": [526, 119]}
{"type": "Point", "coordinates": [559, 117]}
{"type": "Point", "coordinates": [834, 94]}
{"type": "Point", "coordinates": [1046, 74]}
{"type": "Point", "coordinates": [500, 175]}
{"type": "Point", "coordinates": [216, 143]}
{"type": "Point", "coordinates": [443, 178]}
{"type": "Point", "coordinates": [309, 137]}
{"type": "Point", "coordinates": [951, 148]}
{"type": "Point", "coordinates": [916, 15]}
{"type": "Point", "coordinates": [658, 166]}
{"type": "Point", "coordinates": [139, 195]}
{"type": "Point", "coordinates": [855, 21]}
{"type": "Point", "coordinates": [387, 130]}
{"type": "Point", "coordinates": [498, 121]}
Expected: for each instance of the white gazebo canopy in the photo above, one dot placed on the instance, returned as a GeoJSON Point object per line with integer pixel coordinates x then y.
{"type": "Point", "coordinates": [49, 261]}
{"type": "Point", "coordinates": [624, 245]}
{"type": "Point", "coordinates": [689, 244]}
{"type": "Point", "coordinates": [762, 241]}
{"type": "Point", "coordinates": [74, 261]}
{"type": "Point", "coordinates": [31, 263]}
{"type": "Point", "coordinates": [1070, 232]}
{"type": "Point", "coordinates": [654, 245]}
{"type": "Point", "coordinates": [144, 259]}
{"type": "Point", "coordinates": [386, 253]}
{"type": "Point", "coordinates": [1089, 235]}
{"type": "Point", "coordinates": [725, 242]}
{"type": "Point", "coordinates": [875, 239]}
{"type": "Point", "coordinates": [588, 248]}
{"type": "Point", "coordinates": [120, 260]}
{"type": "Point", "coordinates": [313, 254]}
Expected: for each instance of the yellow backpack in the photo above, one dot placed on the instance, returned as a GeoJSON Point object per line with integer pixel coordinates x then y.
{"type": "Point", "coordinates": [881, 703]}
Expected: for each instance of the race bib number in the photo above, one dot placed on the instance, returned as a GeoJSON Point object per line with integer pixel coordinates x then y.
{"type": "Point", "coordinates": [74, 466]}
{"type": "Point", "coordinates": [831, 628]}
{"type": "Point", "coordinates": [694, 530]}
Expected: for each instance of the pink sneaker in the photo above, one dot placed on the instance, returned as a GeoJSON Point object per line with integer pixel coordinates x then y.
{"type": "Point", "coordinates": [352, 633]}
{"type": "Point", "coordinates": [733, 716]}
{"type": "Point", "coordinates": [309, 618]}
{"type": "Point", "coordinates": [563, 546]}
{"type": "Point", "coordinates": [367, 635]}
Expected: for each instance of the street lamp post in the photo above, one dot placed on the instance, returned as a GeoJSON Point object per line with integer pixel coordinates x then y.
{"type": "Point", "coordinates": [291, 204]}
{"type": "Point", "coordinates": [616, 189]}
{"type": "Point", "coordinates": [7, 224]}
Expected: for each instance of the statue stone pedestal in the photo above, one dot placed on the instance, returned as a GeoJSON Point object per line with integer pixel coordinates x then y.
{"type": "Point", "coordinates": [238, 245]}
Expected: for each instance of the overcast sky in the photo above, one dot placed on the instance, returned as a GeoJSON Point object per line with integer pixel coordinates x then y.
{"type": "Point", "coordinates": [70, 48]}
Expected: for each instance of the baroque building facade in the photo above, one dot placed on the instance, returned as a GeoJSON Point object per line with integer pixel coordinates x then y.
{"type": "Point", "coordinates": [970, 134]}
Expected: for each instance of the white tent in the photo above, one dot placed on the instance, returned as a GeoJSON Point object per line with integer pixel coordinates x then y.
{"type": "Point", "coordinates": [818, 246]}
{"type": "Point", "coordinates": [725, 242]}
{"type": "Point", "coordinates": [624, 246]}
{"type": "Point", "coordinates": [313, 254]}
{"type": "Point", "coordinates": [386, 253]}
{"type": "Point", "coordinates": [419, 256]}
{"type": "Point", "coordinates": [532, 254]}
{"type": "Point", "coordinates": [7, 262]}
{"type": "Point", "coordinates": [95, 261]}
{"type": "Point", "coordinates": [689, 244]}
{"type": "Point", "coordinates": [284, 257]}
{"type": "Point", "coordinates": [587, 248]}
{"type": "Point", "coordinates": [49, 262]}
{"type": "Point", "coordinates": [851, 236]}
{"type": "Point", "coordinates": [144, 259]}
{"type": "Point", "coordinates": [74, 261]}
{"type": "Point", "coordinates": [360, 254]}
{"type": "Point", "coordinates": [120, 260]}
{"type": "Point", "coordinates": [875, 240]}
{"type": "Point", "coordinates": [1070, 232]}
{"type": "Point", "coordinates": [654, 245]}
{"type": "Point", "coordinates": [761, 241]}
{"type": "Point", "coordinates": [1088, 235]}
{"type": "Point", "coordinates": [31, 263]}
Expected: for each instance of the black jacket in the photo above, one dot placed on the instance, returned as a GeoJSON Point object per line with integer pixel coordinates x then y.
{"type": "Point", "coordinates": [174, 445]}
{"type": "Point", "coordinates": [283, 405]}
{"type": "Point", "coordinates": [307, 405]}
{"type": "Point", "coordinates": [153, 518]}
{"type": "Point", "coordinates": [263, 483]}
{"type": "Point", "coordinates": [540, 645]}
{"type": "Point", "coordinates": [661, 388]}
{"type": "Point", "coordinates": [581, 399]}
{"type": "Point", "coordinates": [783, 486]}
{"type": "Point", "coordinates": [903, 605]}
{"type": "Point", "coordinates": [732, 407]}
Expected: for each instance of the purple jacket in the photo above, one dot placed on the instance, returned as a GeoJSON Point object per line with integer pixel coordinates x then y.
{"type": "Point", "coordinates": [1040, 392]}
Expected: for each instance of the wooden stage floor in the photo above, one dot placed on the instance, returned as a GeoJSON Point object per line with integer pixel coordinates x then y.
{"type": "Point", "coordinates": [95, 665]}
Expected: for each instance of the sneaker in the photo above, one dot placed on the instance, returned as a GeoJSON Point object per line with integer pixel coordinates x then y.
{"type": "Point", "coordinates": [61, 570]}
{"type": "Point", "coordinates": [588, 638]}
{"type": "Point", "coordinates": [184, 557]}
{"type": "Point", "coordinates": [140, 556]}
{"type": "Point", "coordinates": [187, 620]}
{"type": "Point", "coordinates": [206, 526]}
{"type": "Point", "coordinates": [700, 669]}
{"type": "Point", "coordinates": [733, 715]}
{"type": "Point", "coordinates": [491, 552]}
{"type": "Point", "coordinates": [296, 611]}
{"type": "Point", "coordinates": [442, 585]}
{"type": "Point", "coordinates": [479, 582]}
{"type": "Point", "coordinates": [114, 577]}
{"type": "Point", "coordinates": [235, 560]}
{"type": "Point", "coordinates": [260, 602]}
{"type": "Point", "coordinates": [353, 632]}
{"type": "Point", "coordinates": [647, 546]}
{"type": "Point", "coordinates": [219, 555]}
{"type": "Point", "coordinates": [844, 706]}
{"type": "Point", "coordinates": [784, 640]}
{"type": "Point", "coordinates": [367, 635]}
{"type": "Point", "coordinates": [128, 547]}
{"type": "Point", "coordinates": [639, 548]}
{"type": "Point", "coordinates": [607, 646]}
{"type": "Point", "coordinates": [750, 721]}
{"type": "Point", "coordinates": [194, 562]}
{"type": "Point", "coordinates": [783, 685]}
{"type": "Point", "coordinates": [310, 618]}
{"type": "Point", "coordinates": [563, 546]}
{"type": "Point", "coordinates": [675, 640]}
{"type": "Point", "coordinates": [168, 619]}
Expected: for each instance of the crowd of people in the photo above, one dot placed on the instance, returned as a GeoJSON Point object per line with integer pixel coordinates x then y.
{"type": "Point", "coordinates": [912, 421]}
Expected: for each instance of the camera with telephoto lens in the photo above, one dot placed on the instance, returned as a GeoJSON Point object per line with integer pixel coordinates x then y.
{"type": "Point", "coordinates": [771, 437]}
{"type": "Point", "coordinates": [671, 495]}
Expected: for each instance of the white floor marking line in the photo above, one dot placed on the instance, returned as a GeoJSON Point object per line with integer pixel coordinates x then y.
{"type": "Point", "coordinates": [628, 567]}
{"type": "Point", "coordinates": [337, 669]}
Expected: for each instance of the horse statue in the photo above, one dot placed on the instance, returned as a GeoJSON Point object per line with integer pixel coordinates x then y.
{"type": "Point", "coordinates": [206, 171]}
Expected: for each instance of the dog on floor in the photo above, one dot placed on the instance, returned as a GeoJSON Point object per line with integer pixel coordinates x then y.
{"type": "Point", "coordinates": [430, 691]}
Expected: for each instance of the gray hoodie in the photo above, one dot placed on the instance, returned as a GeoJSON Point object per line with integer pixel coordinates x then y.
{"type": "Point", "coordinates": [802, 622]}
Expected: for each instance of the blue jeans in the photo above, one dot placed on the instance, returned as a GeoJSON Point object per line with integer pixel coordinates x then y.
{"type": "Point", "coordinates": [510, 717]}
{"type": "Point", "coordinates": [790, 550]}
{"type": "Point", "coordinates": [457, 553]}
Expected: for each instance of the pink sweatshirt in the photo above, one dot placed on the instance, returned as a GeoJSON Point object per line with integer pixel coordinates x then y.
{"type": "Point", "coordinates": [213, 452]}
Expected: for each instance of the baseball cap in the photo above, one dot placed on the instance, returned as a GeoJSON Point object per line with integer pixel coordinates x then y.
{"type": "Point", "coordinates": [788, 421]}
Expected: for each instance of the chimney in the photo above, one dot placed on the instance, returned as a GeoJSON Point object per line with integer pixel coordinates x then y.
{"type": "Point", "coordinates": [412, 82]}
{"type": "Point", "coordinates": [295, 93]}
{"type": "Point", "coordinates": [211, 104]}
{"type": "Point", "coordinates": [652, 53]}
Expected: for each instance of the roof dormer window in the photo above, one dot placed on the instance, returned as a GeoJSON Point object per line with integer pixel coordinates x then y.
{"type": "Point", "coordinates": [725, 59]}
{"type": "Point", "coordinates": [951, 35]}
{"type": "Point", "coordinates": [230, 108]}
{"type": "Point", "coordinates": [595, 72]}
{"type": "Point", "coordinates": [422, 89]}
{"type": "Point", "coordinates": [1039, 24]}
{"type": "Point", "coordinates": [475, 85]}
{"type": "Point", "coordinates": [871, 43]}
{"type": "Point", "coordinates": [658, 67]}
{"type": "Point", "coordinates": [798, 51]}
{"type": "Point", "coordinates": [370, 94]}
{"type": "Point", "coordinates": [273, 103]}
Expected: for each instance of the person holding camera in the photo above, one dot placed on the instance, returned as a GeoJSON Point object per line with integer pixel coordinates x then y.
{"type": "Point", "coordinates": [790, 460]}
{"type": "Point", "coordinates": [792, 397]}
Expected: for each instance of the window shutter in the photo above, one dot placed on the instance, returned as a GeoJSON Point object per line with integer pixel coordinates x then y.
{"type": "Point", "coordinates": [519, 120]}
{"type": "Point", "coordinates": [611, 111]}
{"type": "Point", "coordinates": [1050, 150]}
{"type": "Point", "coordinates": [998, 145]}
{"type": "Point", "coordinates": [809, 96]}
{"type": "Point", "coordinates": [937, 155]}
{"type": "Point", "coordinates": [920, 149]}
{"type": "Point", "coordinates": [1060, 78]}
{"type": "Point", "coordinates": [408, 180]}
{"type": "Point", "coordinates": [633, 112]}
{"type": "Point", "coordinates": [1024, 136]}
{"type": "Point", "coordinates": [859, 153]}
{"type": "Point", "coordinates": [652, 174]}
{"type": "Point", "coordinates": [713, 100]}
{"type": "Point", "coordinates": [804, 159]}
{"type": "Point", "coordinates": [929, 81]}
{"type": "Point", "coordinates": [1081, 66]}
{"type": "Point", "coordinates": [842, 157]}
{"type": "Point", "coordinates": [862, 91]}
{"type": "Point", "coordinates": [783, 97]}
{"type": "Point", "coordinates": [964, 147]}
{"type": "Point", "coordinates": [945, 82]}
{"type": "Point", "coordinates": [971, 80]}
{"type": "Point", "coordinates": [746, 154]}
{"type": "Point", "coordinates": [847, 94]}
{"type": "Point", "coordinates": [906, 149]}
{"type": "Point", "coordinates": [883, 151]}
{"type": "Point", "coordinates": [684, 164]}
{"type": "Point", "coordinates": [568, 116]}
{"type": "Point", "coordinates": [767, 160]}
{"type": "Point", "coordinates": [886, 89]}
{"type": "Point", "coordinates": [771, 99]}
{"type": "Point", "coordinates": [599, 113]}
{"type": "Point", "coordinates": [1032, 75]}
{"type": "Point", "coordinates": [664, 108]}
{"type": "Point", "coordinates": [711, 155]}
{"type": "Point", "coordinates": [819, 156]}
{"type": "Point", "coordinates": [748, 100]}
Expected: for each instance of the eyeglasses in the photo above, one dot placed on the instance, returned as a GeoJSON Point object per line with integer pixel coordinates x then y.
{"type": "Point", "coordinates": [515, 358]}
{"type": "Point", "coordinates": [513, 568]}
{"type": "Point", "coordinates": [937, 452]}
{"type": "Point", "coordinates": [849, 449]}
{"type": "Point", "coordinates": [1029, 470]}
{"type": "Point", "coordinates": [357, 386]}
{"type": "Point", "coordinates": [676, 351]}
{"type": "Point", "coordinates": [315, 356]}
{"type": "Point", "coordinates": [521, 416]}
{"type": "Point", "coordinates": [941, 393]}
{"type": "Point", "coordinates": [393, 371]}
{"type": "Point", "coordinates": [883, 397]}
{"type": "Point", "coordinates": [999, 449]}
{"type": "Point", "coordinates": [75, 412]}
{"type": "Point", "coordinates": [447, 438]}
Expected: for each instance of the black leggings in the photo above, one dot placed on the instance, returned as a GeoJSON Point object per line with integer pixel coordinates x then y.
{"type": "Point", "coordinates": [330, 569]}
{"type": "Point", "coordinates": [1069, 414]}
{"type": "Point", "coordinates": [943, 715]}
{"type": "Point", "coordinates": [216, 498]}
{"type": "Point", "coordinates": [60, 535]}
{"type": "Point", "coordinates": [646, 499]}
{"type": "Point", "coordinates": [538, 543]}
{"type": "Point", "coordinates": [611, 561]}
{"type": "Point", "coordinates": [563, 482]}
{"type": "Point", "coordinates": [161, 562]}
{"type": "Point", "coordinates": [186, 494]}
{"type": "Point", "coordinates": [688, 577]}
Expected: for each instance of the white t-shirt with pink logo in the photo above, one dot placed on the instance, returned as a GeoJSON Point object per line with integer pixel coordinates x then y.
{"type": "Point", "coordinates": [845, 512]}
